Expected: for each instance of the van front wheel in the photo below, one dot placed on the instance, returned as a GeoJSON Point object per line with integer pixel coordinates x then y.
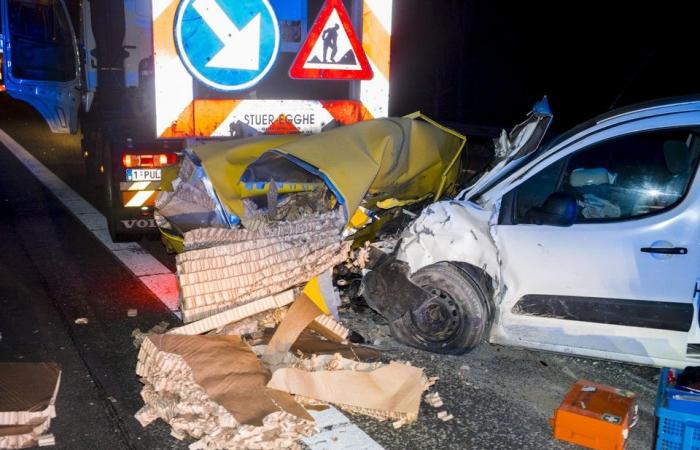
{"type": "Point", "coordinates": [453, 321]}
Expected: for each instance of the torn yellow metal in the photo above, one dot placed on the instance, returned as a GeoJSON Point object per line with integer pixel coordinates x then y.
{"type": "Point", "coordinates": [225, 161]}
{"type": "Point", "coordinates": [313, 291]}
{"type": "Point", "coordinates": [396, 158]}
{"type": "Point", "coordinates": [450, 175]}
{"type": "Point", "coordinates": [378, 165]}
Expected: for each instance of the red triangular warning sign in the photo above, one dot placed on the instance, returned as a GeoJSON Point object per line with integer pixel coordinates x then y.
{"type": "Point", "coordinates": [332, 50]}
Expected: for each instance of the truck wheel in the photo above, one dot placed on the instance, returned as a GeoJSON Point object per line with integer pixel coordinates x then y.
{"type": "Point", "coordinates": [454, 321]}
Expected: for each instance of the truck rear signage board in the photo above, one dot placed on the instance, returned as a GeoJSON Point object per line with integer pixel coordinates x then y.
{"type": "Point", "coordinates": [228, 46]}
{"type": "Point", "coordinates": [224, 68]}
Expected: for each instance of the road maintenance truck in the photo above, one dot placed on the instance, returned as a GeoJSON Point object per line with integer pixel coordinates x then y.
{"type": "Point", "coordinates": [143, 79]}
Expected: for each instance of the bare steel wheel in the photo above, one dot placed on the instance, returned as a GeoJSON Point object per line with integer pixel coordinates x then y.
{"type": "Point", "coordinates": [456, 317]}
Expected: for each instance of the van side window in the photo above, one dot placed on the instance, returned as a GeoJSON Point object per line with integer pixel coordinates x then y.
{"type": "Point", "coordinates": [42, 47]}
{"type": "Point", "coordinates": [621, 178]}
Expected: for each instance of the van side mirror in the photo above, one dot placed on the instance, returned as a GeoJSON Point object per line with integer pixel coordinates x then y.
{"type": "Point", "coordinates": [558, 210]}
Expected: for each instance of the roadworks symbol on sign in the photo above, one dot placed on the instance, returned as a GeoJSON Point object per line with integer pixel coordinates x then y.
{"type": "Point", "coordinates": [332, 50]}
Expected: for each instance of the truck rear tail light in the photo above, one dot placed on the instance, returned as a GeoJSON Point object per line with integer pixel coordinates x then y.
{"type": "Point", "coordinates": [158, 160]}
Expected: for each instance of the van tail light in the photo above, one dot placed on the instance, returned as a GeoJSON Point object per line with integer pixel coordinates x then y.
{"type": "Point", "coordinates": [158, 160]}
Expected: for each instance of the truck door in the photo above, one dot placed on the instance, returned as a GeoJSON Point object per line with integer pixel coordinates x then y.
{"type": "Point", "coordinates": [40, 60]}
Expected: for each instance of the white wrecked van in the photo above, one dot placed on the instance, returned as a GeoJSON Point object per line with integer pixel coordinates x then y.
{"type": "Point", "coordinates": [588, 245]}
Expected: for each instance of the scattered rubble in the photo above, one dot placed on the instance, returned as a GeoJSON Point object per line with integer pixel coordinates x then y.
{"type": "Point", "coordinates": [27, 403]}
{"type": "Point", "coordinates": [139, 335]}
{"type": "Point", "coordinates": [188, 383]}
{"type": "Point", "coordinates": [434, 400]}
{"type": "Point", "coordinates": [217, 389]}
{"type": "Point", "coordinates": [81, 321]}
{"type": "Point", "coordinates": [445, 416]}
{"type": "Point", "coordinates": [132, 312]}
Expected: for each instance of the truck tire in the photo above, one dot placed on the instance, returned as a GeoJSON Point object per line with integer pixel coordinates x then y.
{"type": "Point", "coordinates": [454, 321]}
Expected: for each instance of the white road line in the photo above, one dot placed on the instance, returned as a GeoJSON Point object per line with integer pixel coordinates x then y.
{"type": "Point", "coordinates": [154, 275]}
{"type": "Point", "coordinates": [337, 432]}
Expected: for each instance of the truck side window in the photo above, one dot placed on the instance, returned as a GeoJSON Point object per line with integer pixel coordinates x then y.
{"type": "Point", "coordinates": [42, 47]}
{"type": "Point", "coordinates": [621, 178]}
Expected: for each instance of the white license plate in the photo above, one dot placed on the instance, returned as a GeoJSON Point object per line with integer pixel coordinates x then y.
{"type": "Point", "coordinates": [143, 174]}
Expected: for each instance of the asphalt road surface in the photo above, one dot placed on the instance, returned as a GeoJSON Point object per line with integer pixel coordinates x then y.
{"type": "Point", "coordinates": [52, 271]}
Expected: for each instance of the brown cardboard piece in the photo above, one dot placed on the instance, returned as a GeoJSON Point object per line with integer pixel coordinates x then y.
{"type": "Point", "coordinates": [394, 389]}
{"type": "Point", "coordinates": [231, 375]}
{"type": "Point", "coordinates": [308, 343]}
{"type": "Point", "coordinates": [327, 327]}
{"type": "Point", "coordinates": [302, 312]}
{"type": "Point", "coordinates": [27, 386]}
{"type": "Point", "coordinates": [27, 402]}
{"type": "Point", "coordinates": [28, 392]}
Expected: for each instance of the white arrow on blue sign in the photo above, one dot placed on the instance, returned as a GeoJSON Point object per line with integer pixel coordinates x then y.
{"type": "Point", "coordinates": [228, 45]}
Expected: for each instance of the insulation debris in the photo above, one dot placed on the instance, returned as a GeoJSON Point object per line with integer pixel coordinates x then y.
{"type": "Point", "coordinates": [445, 416]}
{"type": "Point", "coordinates": [249, 265]}
{"type": "Point", "coordinates": [398, 424]}
{"type": "Point", "coordinates": [46, 440]}
{"type": "Point", "coordinates": [139, 335]}
{"type": "Point", "coordinates": [27, 403]}
{"type": "Point", "coordinates": [236, 314]}
{"type": "Point", "coordinates": [215, 389]}
{"type": "Point", "coordinates": [286, 208]}
{"type": "Point", "coordinates": [434, 400]}
{"type": "Point", "coordinates": [188, 382]}
{"type": "Point", "coordinates": [329, 328]}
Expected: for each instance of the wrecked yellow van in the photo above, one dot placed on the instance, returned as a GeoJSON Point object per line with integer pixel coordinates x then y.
{"type": "Point", "coordinates": [370, 171]}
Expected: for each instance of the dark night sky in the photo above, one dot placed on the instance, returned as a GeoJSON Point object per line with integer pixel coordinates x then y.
{"type": "Point", "coordinates": [486, 62]}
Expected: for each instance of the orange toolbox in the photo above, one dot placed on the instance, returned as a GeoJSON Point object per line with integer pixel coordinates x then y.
{"type": "Point", "coordinates": [595, 416]}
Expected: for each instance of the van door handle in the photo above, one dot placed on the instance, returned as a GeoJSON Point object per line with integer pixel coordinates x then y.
{"type": "Point", "coordinates": [666, 250]}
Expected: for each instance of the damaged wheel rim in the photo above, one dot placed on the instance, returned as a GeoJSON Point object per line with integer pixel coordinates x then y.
{"type": "Point", "coordinates": [439, 318]}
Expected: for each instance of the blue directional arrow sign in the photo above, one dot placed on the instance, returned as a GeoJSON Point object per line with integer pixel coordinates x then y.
{"type": "Point", "coordinates": [229, 45]}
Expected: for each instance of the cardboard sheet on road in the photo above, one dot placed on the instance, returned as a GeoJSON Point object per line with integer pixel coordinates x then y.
{"type": "Point", "coordinates": [395, 388]}
{"type": "Point", "coordinates": [27, 391]}
{"type": "Point", "coordinates": [231, 375]}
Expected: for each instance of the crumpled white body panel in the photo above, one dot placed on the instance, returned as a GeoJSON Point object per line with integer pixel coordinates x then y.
{"type": "Point", "coordinates": [450, 231]}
